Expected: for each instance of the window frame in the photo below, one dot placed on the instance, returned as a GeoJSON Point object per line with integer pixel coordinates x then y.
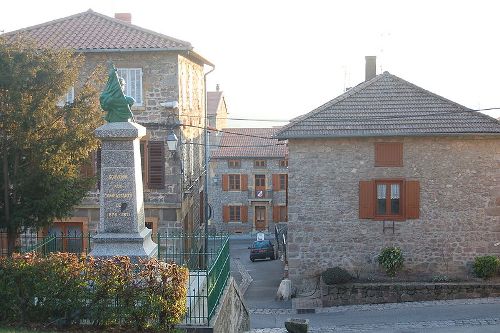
{"type": "Point", "coordinates": [283, 163]}
{"type": "Point", "coordinates": [139, 99]}
{"type": "Point", "coordinates": [283, 181]}
{"type": "Point", "coordinates": [259, 164]}
{"type": "Point", "coordinates": [234, 164]}
{"type": "Point", "coordinates": [234, 213]}
{"type": "Point", "coordinates": [388, 215]}
{"type": "Point", "coordinates": [234, 182]}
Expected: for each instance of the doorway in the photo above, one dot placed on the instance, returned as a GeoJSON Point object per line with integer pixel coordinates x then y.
{"type": "Point", "coordinates": [260, 218]}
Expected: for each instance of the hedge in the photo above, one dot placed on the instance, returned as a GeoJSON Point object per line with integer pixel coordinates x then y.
{"type": "Point", "coordinates": [63, 289]}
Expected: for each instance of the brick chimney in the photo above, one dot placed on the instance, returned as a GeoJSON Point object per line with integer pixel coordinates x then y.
{"type": "Point", "coordinates": [125, 17]}
{"type": "Point", "coordinates": [370, 67]}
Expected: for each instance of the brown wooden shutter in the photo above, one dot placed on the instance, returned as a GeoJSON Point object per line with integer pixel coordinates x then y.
{"type": "Point", "coordinates": [156, 164]}
{"type": "Point", "coordinates": [412, 194]}
{"type": "Point", "coordinates": [388, 154]}
{"type": "Point", "coordinates": [366, 199]}
{"type": "Point", "coordinates": [244, 182]}
{"type": "Point", "coordinates": [225, 213]}
{"type": "Point", "coordinates": [276, 212]}
{"type": "Point", "coordinates": [276, 182]}
{"type": "Point", "coordinates": [244, 213]}
{"type": "Point", "coordinates": [225, 182]}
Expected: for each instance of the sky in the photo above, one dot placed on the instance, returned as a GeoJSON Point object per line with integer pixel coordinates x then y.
{"type": "Point", "coordinates": [278, 59]}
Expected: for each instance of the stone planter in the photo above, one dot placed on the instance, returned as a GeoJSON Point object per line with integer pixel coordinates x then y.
{"type": "Point", "coordinates": [297, 325]}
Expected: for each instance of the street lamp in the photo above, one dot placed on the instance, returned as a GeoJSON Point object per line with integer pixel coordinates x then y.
{"type": "Point", "coordinates": [172, 141]}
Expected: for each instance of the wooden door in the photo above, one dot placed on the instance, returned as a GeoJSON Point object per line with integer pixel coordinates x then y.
{"type": "Point", "coordinates": [260, 218]}
{"type": "Point", "coordinates": [260, 186]}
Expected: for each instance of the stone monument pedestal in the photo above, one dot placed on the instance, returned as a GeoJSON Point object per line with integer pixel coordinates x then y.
{"type": "Point", "coordinates": [122, 229]}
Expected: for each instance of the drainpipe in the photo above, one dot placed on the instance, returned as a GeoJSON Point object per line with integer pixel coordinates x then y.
{"type": "Point", "coordinates": [205, 185]}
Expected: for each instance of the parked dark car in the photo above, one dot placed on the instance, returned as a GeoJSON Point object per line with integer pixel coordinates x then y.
{"type": "Point", "coordinates": [262, 249]}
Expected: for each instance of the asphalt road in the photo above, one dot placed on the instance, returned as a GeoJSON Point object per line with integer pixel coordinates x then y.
{"type": "Point", "coordinates": [266, 275]}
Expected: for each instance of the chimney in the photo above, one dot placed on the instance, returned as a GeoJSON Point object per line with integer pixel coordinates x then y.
{"type": "Point", "coordinates": [370, 67]}
{"type": "Point", "coordinates": [125, 17]}
{"type": "Point", "coordinates": [217, 87]}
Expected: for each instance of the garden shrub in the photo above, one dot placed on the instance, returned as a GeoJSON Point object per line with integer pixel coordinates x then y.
{"type": "Point", "coordinates": [391, 259]}
{"type": "Point", "coordinates": [65, 289]}
{"type": "Point", "coordinates": [486, 266]}
{"type": "Point", "coordinates": [336, 275]}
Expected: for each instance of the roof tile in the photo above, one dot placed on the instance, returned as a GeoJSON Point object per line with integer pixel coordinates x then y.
{"type": "Point", "coordinates": [90, 31]}
{"type": "Point", "coordinates": [389, 106]}
{"type": "Point", "coordinates": [250, 142]}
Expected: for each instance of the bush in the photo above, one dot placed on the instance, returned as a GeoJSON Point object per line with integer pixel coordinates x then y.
{"type": "Point", "coordinates": [336, 275]}
{"type": "Point", "coordinates": [65, 289]}
{"type": "Point", "coordinates": [486, 266]}
{"type": "Point", "coordinates": [391, 259]}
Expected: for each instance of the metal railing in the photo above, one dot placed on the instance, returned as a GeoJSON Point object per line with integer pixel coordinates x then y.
{"type": "Point", "coordinates": [44, 244]}
{"type": "Point", "coordinates": [264, 195]}
{"type": "Point", "coordinates": [209, 270]}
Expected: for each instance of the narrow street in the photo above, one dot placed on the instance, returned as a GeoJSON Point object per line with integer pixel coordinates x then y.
{"type": "Point", "coordinates": [259, 281]}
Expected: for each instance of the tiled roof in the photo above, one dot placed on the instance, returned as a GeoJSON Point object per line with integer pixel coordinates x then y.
{"type": "Point", "coordinates": [250, 142]}
{"type": "Point", "coordinates": [91, 31]}
{"type": "Point", "coordinates": [213, 101]}
{"type": "Point", "coordinates": [389, 106]}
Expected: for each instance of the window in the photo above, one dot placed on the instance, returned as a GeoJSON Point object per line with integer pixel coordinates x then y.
{"type": "Point", "coordinates": [69, 98]}
{"type": "Point", "coordinates": [280, 182]}
{"type": "Point", "coordinates": [259, 164]}
{"type": "Point", "coordinates": [389, 199]}
{"type": "Point", "coordinates": [283, 181]}
{"type": "Point", "coordinates": [280, 214]}
{"type": "Point", "coordinates": [234, 183]}
{"type": "Point", "coordinates": [284, 163]}
{"type": "Point", "coordinates": [234, 164]}
{"type": "Point", "coordinates": [235, 213]}
{"type": "Point", "coordinates": [133, 83]}
{"type": "Point", "coordinates": [388, 154]}
{"type": "Point", "coordinates": [260, 181]}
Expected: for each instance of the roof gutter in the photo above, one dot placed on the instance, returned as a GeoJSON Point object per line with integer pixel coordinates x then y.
{"type": "Point", "coordinates": [287, 137]}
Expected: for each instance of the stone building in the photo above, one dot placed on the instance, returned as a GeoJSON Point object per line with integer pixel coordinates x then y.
{"type": "Point", "coordinates": [388, 163]}
{"type": "Point", "coordinates": [217, 113]}
{"type": "Point", "coordinates": [248, 187]}
{"type": "Point", "coordinates": [166, 78]}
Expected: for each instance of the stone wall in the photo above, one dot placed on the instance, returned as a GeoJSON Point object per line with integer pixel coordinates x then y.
{"type": "Point", "coordinates": [351, 294]}
{"type": "Point", "coordinates": [459, 219]}
{"type": "Point", "coordinates": [219, 198]}
{"type": "Point", "coordinates": [232, 314]}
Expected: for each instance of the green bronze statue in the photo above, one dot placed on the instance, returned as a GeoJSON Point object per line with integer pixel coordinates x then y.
{"type": "Point", "coordinates": [114, 101]}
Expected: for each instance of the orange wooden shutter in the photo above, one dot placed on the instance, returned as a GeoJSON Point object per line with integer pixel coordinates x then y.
{"type": "Point", "coordinates": [412, 192]}
{"type": "Point", "coordinates": [366, 199]}
{"type": "Point", "coordinates": [276, 212]}
{"type": "Point", "coordinates": [225, 213]}
{"type": "Point", "coordinates": [156, 164]}
{"type": "Point", "coordinates": [276, 182]}
{"type": "Point", "coordinates": [244, 213]}
{"type": "Point", "coordinates": [225, 182]}
{"type": "Point", "coordinates": [244, 182]}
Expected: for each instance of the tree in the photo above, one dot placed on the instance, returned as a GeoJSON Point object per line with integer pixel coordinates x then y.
{"type": "Point", "coordinates": [43, 145]}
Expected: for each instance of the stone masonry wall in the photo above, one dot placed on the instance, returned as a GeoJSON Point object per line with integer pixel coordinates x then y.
{"type": "Point", "coordinates": [368, 293]}
{"type": "Point", "coordinates": [219, 198]}
{"type": "Point", "coordinates": [459, 218]}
